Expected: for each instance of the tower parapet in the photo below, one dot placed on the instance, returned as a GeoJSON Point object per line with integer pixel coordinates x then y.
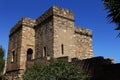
{"type": "Point", "coordinates": [83, 31]}
{"type": "Point", "coordinates": [23, 22]}
{"type": "Point", "coordinates": [55, 11]}
{"type": "Point", "coordinates": [83, 43]}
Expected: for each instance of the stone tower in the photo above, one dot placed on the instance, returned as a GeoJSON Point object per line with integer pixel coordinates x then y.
{"type": "Point", "coordinates": [56, 36]}
{"type": "Point", "coordinates": [21, 46]}
{"type": "Point", "coordinates": [52, 35]}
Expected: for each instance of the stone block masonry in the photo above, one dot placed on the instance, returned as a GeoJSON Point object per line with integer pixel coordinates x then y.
{"type": "Point", "coordinates": [52, 35]}
{"type": "Point", "coordinates": [83, 43]}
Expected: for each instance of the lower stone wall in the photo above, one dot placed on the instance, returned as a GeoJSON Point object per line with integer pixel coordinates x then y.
{"type": "Point", "coordinates": [96, 68]}
{"type": "Point", "coordinates": [14, 75]}
{"type": "Point", "coordinates": [41, 60]}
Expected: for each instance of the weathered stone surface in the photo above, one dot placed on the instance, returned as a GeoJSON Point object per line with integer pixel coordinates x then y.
{"type": "Point", "coordinates": [83, 43]}
{"type": "Point", "coordinates": [22, 37]}
{"type": "Point", "coordinates": [44, 39]}
{"type": "Point", "coordinates": [63, 35]}
{"type": "Point", "coordinates": [52, 35]}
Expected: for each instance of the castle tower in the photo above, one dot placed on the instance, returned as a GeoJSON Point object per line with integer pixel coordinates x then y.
{"type": "Point", "coordinates": [57, 36]}
{"type": "Point", "coordinates": [54, 33]}
{"type": "Point", "coordinates": [21, 46]}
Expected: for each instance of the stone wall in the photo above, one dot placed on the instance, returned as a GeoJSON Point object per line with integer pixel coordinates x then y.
{"type": "Point", "coordinates": [14, 48]}
{"type": "Point", "coordinates": [63, 36]}
{"type": "Point", "coordinates": [44, 38]}
{"type": "Point", "coordinates": [83, 43]}
{"type": "Point", "coordinates": [14, 75]}
{"type": "Point", "coordinates": [38, 60]}
{"type": "Point", "coordinates": [99, 68]}
{"type": "Point", "coordinates": [28, 40]}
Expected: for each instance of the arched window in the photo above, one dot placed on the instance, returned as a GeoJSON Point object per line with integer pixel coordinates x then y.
{"type": "Point", "coordinates": [29, 54]}
{"type": "Point", "coordinates": [62, 48]}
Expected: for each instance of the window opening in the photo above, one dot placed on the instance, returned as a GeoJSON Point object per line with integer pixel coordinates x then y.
{"type": "Point", "coordinates": [44, 52]}
{"type": "Point", "coordinates": [13, 56]}
{"type": "Point", "coordinates": [29, 54]}
{"type": "Point", "coordinates": [62, 48]}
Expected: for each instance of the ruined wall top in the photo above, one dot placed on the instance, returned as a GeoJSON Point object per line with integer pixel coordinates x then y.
{"type": "Point", "coordinates": [55, 11]}
{"type": "Point", "coordinates": [83, 31]}
{"type": "Point", "coordinates": [24, 21]}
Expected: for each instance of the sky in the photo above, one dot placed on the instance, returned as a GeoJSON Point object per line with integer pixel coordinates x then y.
{"type": "Point", "coordinates": [89, 14]}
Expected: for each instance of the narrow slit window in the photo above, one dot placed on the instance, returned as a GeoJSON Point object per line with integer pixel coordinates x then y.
{"type": "Point", "coordinates": [13, 56]}
{"type": "Point", "coordinates": [44, 52]}
{"type": "Point", "coordinates": [62, 48]}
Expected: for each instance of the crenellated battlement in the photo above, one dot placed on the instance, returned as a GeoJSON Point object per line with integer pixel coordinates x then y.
{"type": "Point", "coordinates": [56, 11]}
{"type": "Point", "coordinates": [23, 22]}
{"type": "Point", "coordinates": [83, 31]}
{"type": "Point", "coordinates": [65, 13]}
{"type": "Point", "coordinates": [44, 16]}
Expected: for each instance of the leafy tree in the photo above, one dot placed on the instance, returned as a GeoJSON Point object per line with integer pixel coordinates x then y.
{"type": "Point", "coordinates": [113, 7]}
{"type": "Point", "coordinates": [2, 62]}
{"type": "Point", "coordinates": [56, 70]}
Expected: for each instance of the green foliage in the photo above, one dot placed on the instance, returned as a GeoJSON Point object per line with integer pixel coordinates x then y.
{"type": "Point", "coordinates": [113, 7]}
{"type": "Point", "coordinates": [2, 62]}
{"type": "Point", "coordinates": [57, 70]}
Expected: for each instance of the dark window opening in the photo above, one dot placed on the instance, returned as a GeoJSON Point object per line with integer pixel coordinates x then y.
{"type": "Point", "coordinates": [44, 52]}
{"type": "Point", "coordinates": [62, 48]}
{"type": "Point", "coordinates": [29, 54]}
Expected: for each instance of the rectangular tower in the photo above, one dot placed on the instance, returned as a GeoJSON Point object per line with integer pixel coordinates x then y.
{"type": "Point", "coordinates": [21, 46]}
{"type": "Point", "coordinates": [54, 33]}
{"type": "Point", "coordinates": [44, 32]}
